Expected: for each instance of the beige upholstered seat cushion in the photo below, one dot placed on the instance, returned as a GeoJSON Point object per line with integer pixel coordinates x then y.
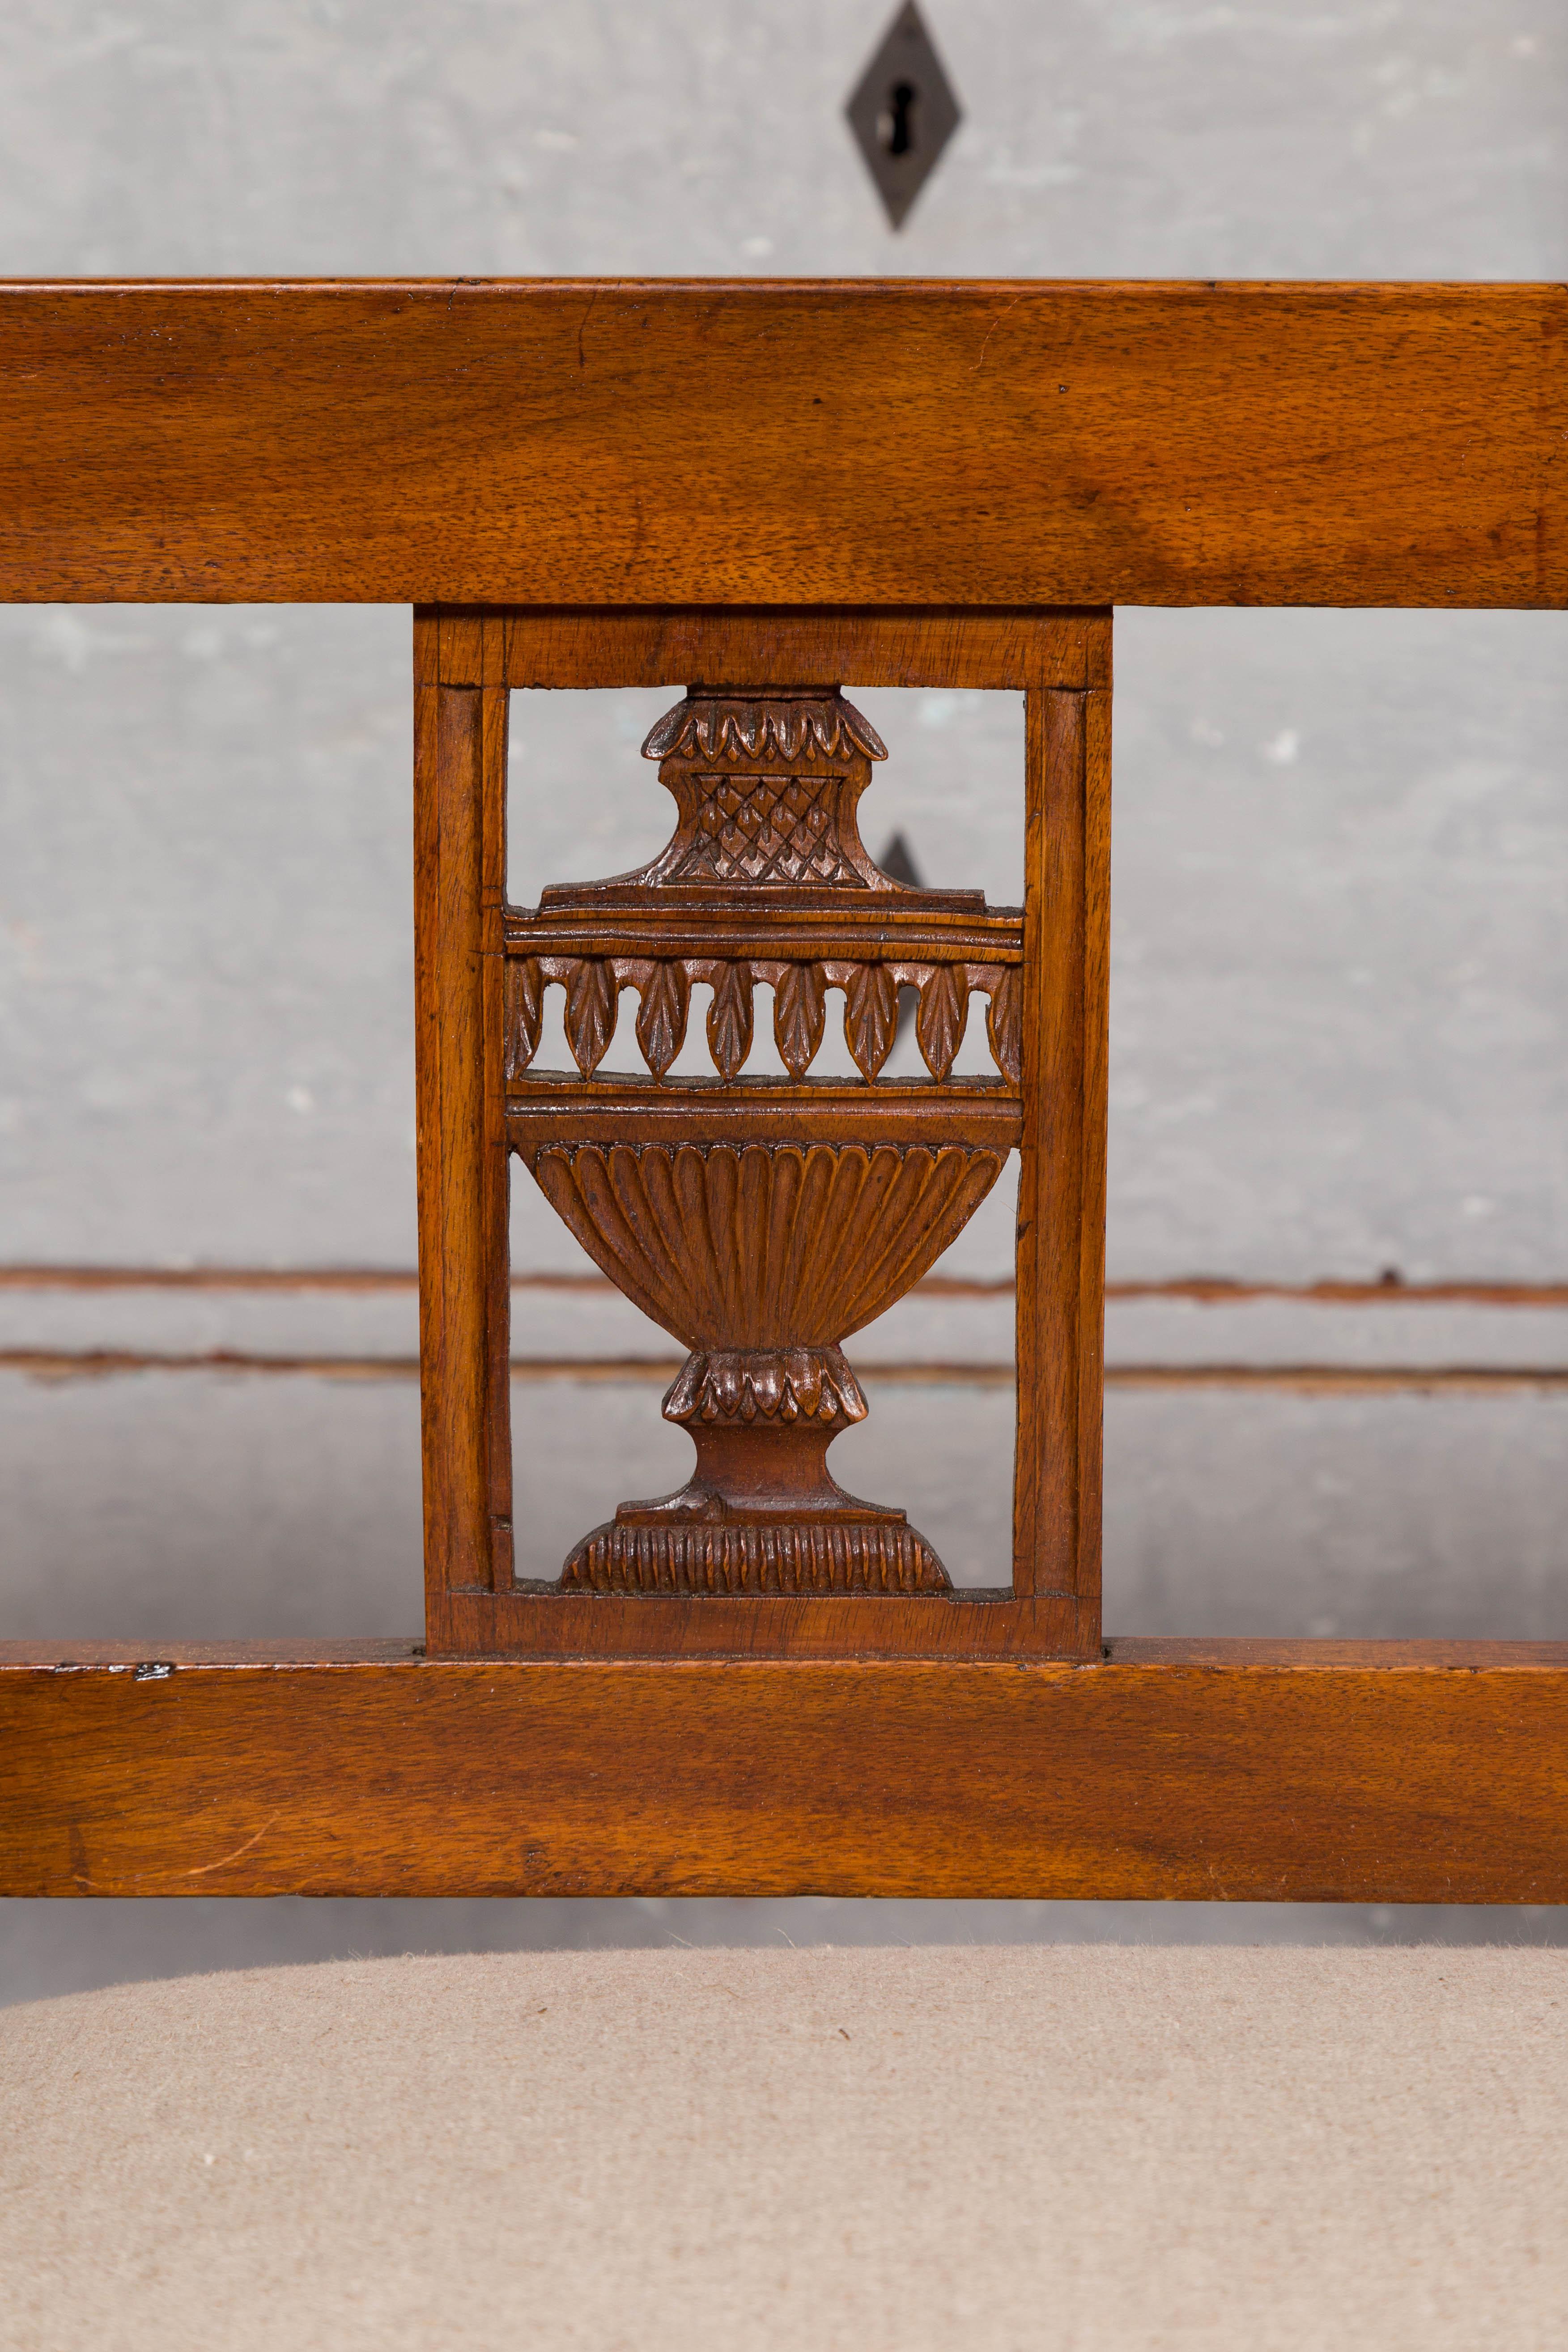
{"type": "Point", "coordinates": [1085, 2147]}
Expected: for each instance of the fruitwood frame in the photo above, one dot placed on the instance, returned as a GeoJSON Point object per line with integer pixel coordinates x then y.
{"type": "Point", "coordinates": [913, 466]}
{"type": "Point", "coordinates": [466, 667]}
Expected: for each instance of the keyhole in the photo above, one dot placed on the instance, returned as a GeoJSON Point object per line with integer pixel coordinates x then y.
{"type": "Point", "coordinates": [897, 133]}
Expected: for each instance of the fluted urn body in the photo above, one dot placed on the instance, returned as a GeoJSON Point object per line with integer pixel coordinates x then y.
{"type": "Point", "coordinates": [762, 1222]}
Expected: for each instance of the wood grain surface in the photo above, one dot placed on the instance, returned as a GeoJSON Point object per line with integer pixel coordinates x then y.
{"type": "Point", "coordinates": [802, 645]}
{"type": "Point", "coordinates": [1376, 1772]}
{"type": "Point", "coordinates": [1060, 1264]}
{"type": "Point", "coordinates": [900, 443]}
{"type": "Point", "coordinates": [457, 1292]}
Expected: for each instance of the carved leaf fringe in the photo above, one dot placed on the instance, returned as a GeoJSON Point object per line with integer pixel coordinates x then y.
{"type": "Point", "coordinates": [525, 1013]}
{"type": "Point", "coordinates": [781, 1384]}
{"type": "Point", "coordinates": [799, 1014]}
{"type": "Point", "coordinates": [729, 1022]}
{"type": "Point", "coordinates": [1005, 1024]}
{"type": "Point", "coordinates": [661, 1017]}
{"type": "Point", "coordinates": [938, 1025]}
{"type": "Point", "coordinates": [591, 994]}
{"type": "Point", "coordinates": [871, 1017]}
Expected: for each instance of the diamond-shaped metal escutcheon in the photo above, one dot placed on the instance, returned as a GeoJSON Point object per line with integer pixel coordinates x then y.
{"type": "Point", "coordinates": [903, 112]}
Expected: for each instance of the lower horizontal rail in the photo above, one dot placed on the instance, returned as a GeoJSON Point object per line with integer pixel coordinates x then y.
{"type": "Point", "coordinates": [1421, 1772]}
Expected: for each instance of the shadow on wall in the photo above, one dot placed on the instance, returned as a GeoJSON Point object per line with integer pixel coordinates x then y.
{"type": "Point", "coordinates": [47, 1949]}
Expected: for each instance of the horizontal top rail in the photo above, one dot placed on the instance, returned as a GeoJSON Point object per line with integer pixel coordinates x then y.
{"type": "Point", "coordinates": [865, 442]}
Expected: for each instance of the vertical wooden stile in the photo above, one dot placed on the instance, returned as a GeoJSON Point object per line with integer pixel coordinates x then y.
{"type": "Point", "coordinates": [1097, 720]}
{"type": "Point", "coordinates": [426, 1096]}
{"type": "Point", "coordinates": [1061, 1182]}
{"type": "Point", "coordinates": [450, 1079]}
{"type": "Point", "coordinates": [496, 1181]}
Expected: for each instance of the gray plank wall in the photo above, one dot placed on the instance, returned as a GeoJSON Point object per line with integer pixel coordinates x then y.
{"type": "Point", "coordinates": [1341, 875]}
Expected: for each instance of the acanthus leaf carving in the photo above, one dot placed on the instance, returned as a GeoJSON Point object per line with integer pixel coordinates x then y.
{"type": "Point", "coordinates": [662, 1016]}
{"type": "Point", "coordinates": [1005, 1024]}
{"type": "Point", "coordinates": [871, 1017]}
{"type": "Point", "coordinates": [800, 999]}
{"type": "Point", "coordinates": [525, 1013]}
{"type": "Point", "coordinates": [729, 1021]}
{"type": "Point", "coordinates": [591, 996]}
{"type": "Point", "coordinates": [788, 727]}
{"type": "Point", "coordinates": [938, 1024]}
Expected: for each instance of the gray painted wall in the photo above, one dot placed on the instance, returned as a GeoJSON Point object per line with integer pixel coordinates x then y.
{"type": "Point", "coordinates": [1341, 867]}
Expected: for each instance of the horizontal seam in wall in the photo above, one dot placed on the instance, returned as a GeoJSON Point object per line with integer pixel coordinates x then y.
{"type": "Point", "coordinates": [1216, 1290]}
{"type": "Point", "coordinates": [1311, 1379]}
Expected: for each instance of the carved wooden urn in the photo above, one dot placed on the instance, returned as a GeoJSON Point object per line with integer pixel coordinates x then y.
{"type": "Point", "coordinates": [762, 1220]}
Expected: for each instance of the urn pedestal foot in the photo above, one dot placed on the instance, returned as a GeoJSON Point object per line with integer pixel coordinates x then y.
{"type": "Point", "coordinates": [761, 1512]}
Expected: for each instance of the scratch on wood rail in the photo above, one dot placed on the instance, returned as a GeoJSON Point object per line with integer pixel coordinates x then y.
{"type": "Point", "coordinates": [85, 1880]}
